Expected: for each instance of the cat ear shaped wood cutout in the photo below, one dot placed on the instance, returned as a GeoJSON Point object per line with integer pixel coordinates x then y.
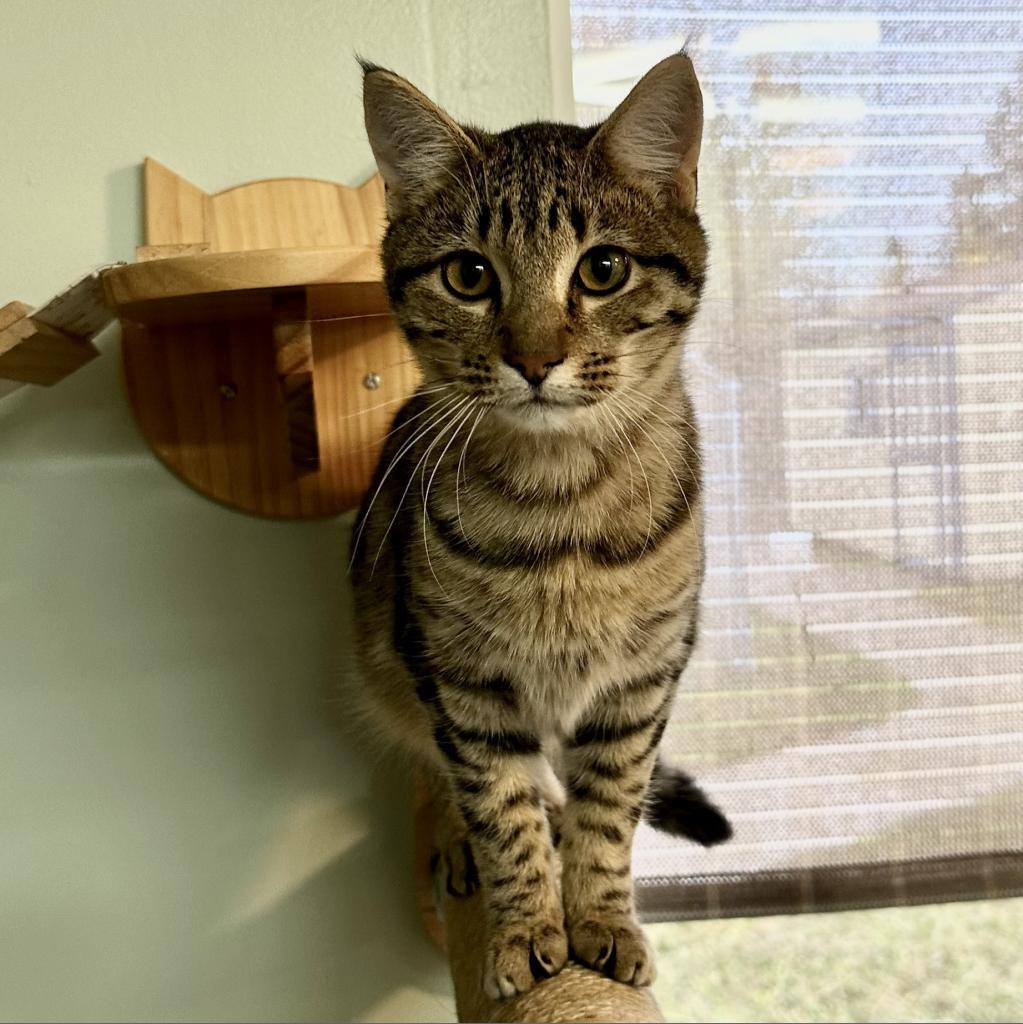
{"type": "Point", "coordinates": [260, 358]}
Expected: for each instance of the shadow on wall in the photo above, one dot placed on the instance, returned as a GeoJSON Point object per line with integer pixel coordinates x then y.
{"type": "Point", "coordinates": [187, 835]}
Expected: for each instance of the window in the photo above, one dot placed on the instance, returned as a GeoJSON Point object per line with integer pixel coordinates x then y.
{"type": "Point", "coordinates": [856, 700]}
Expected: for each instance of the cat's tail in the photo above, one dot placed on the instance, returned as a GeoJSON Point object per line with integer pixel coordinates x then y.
{"type": "Point", "coordinates": [676, 805]}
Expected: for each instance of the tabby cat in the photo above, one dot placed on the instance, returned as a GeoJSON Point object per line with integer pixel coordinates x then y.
{"type": "Point", "coordinates": [528, 559]}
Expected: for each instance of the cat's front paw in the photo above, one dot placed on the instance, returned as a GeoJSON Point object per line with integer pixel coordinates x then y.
{"type": "Point", "coordinates": [523, 952]}
{"type": "Point", "coordinates": [615, 946]}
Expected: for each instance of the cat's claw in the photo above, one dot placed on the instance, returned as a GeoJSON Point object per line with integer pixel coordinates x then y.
{"type": "Point", "coordinates": [523, 953]}
{"type": "Point", "coordinates": [615, 946]}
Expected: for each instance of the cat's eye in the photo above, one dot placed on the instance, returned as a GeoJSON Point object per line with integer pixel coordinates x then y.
{"type": "Point", "coordinates": [468, 275]}
{"type": "Point", "coordinates": [602, 270]}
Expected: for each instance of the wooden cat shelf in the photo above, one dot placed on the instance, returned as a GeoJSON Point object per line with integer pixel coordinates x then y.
{"type": "Point", "coordinates": [259, 356]}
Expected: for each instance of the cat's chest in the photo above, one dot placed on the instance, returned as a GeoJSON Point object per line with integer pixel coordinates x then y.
{"type": "Point", "coordinates": [565, 599]}
{"type": "Point", "coordinates": [571, 585]}
{"type": "Point", "coordinates": [575, 624]}
{"type": "Point", "coordinates": [596, 639]}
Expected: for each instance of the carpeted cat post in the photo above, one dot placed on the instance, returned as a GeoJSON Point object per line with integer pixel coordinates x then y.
{"type": "Point", "coordinates": [576, 994]}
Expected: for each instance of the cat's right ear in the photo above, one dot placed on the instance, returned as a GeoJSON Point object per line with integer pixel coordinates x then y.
{"type": "Point", "coordinates": [653, 136]}
{"type": "Point", "coordinates": [416, 145]}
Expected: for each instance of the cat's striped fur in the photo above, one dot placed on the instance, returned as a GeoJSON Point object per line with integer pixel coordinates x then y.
{"type": "Point", "coordinates": [528, 561]}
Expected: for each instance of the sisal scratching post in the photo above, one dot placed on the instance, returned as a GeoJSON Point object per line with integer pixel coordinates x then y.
{"type": "Point", "coordinates": [576, 994]}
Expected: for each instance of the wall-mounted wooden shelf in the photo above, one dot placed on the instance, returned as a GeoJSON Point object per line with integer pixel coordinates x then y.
{"type": "Point", "coordinates": [259, 356]}
{"type": "Point", "coordinates": [339, 281]}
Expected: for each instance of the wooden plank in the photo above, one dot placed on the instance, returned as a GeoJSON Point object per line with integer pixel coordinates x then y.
{"type": "Point", "coordinates": [185, 277]}
{"type": "Point", "coordinates": [39, 354]}
{"type": "Point", "coordinates": [12, 313]}
{"type": "Point", "coordinates": [45, 345]}
{"type": "Point", "coordinates": [236, 285]}
{"type": "Point", "coordinates": [145, 253]}
{"type": "Point", "coordinates": [9, 315]}
{"type": "Point", "coordinates": [175, 208]}
{"type": "Point", "coordinates": [80, 310]}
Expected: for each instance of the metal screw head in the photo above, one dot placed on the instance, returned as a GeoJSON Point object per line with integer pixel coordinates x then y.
{"type": "Point", "coordinates": [228, 391]}
{"type": "Point", "coordinates": [371, 381]}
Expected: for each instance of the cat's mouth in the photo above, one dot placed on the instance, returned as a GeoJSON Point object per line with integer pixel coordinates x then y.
{"type": "Point", "coordinates": [537, 398]}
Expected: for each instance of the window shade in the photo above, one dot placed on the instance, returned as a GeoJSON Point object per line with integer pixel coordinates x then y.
{"type": "Point", "coordinates": [855, 701]}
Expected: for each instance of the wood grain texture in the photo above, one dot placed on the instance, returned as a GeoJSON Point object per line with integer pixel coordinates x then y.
{"type": "Point", "coordinates": [143, 253]}
{"type": "Point", "coordinates": [80, 310]}
{"type": "Point", "coordinates": [208, 344]}
{"type": "Point", "coordinates": [207, 399]}
{"type": "Point", "coordinates": [228, 285]}
{"type": "Point", "coordinates": [175, 208]}
{"type": "Point", "coordinates": [279, 213]}
{"type": "Point", "coordinates": [12, 313]}
{"type": "Point", "coordinates": [297, 213]}
{"type": "Point", "coordinates": [32, 352]}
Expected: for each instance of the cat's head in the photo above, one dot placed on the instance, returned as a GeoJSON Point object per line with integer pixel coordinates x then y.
{"type": "Point", "coordinates": [547, 269]}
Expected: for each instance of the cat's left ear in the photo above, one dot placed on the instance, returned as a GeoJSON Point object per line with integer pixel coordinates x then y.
{"type": "Point", "coordinates": [653, 136]}
{"type": "Point", "coordinates": [417, 146]}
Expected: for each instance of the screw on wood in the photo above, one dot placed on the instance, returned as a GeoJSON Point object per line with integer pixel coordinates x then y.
{"type": "Point", "coordinates": [228, 391]}
{"type": "Point", "coordinates": [371, 381]}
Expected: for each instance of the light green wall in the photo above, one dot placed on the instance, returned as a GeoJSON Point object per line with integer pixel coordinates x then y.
{"type": "Point", "coordinates": [182, 832]}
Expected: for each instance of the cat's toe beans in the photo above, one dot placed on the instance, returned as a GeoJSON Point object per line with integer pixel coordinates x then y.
{"type": "Point", "coordinates": [616, 947]}
{"type": "Point", "coordinates": [521, 955]}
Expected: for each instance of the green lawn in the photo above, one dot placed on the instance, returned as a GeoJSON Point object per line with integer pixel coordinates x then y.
{"type": "Point", "coordinates": [958, 962]}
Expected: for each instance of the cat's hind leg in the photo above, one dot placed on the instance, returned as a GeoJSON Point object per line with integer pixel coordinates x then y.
{"type": "Point", "coordinates": [453, 863]}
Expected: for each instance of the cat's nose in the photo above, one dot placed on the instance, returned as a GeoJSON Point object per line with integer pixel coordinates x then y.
{"type": "Point", "coordinates": [536, 366]}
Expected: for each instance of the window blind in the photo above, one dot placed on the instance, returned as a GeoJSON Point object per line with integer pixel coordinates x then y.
{"type": "Point", "coordinates": [855, 703]}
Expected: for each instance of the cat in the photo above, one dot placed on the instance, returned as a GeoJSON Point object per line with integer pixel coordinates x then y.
{"type": "Point", "coordinates": [528, 559]}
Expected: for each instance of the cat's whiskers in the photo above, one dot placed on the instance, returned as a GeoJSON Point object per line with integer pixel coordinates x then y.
{"type": "Point", "coordinates": [401, 426]}
{"type": "Point", "coordinates": [446, 407]}
{"type": "Point", "coordinates": [603, 411]}
{"type": "Point", "coordinates": [649, 493]}
{"type": "Point", "coordinates": [460, 466]}
{"type": "Point", "coordinates": [648, 350]}
{"type": "Point", "coordinates": [646, 480]}
{"type": "Point", "coordinates": [442, 423]}
{"type": "Point", "coordinates": [425, 491]}
{"type": "Point", "coordinates": [674, 412]}
{"type": "Point", "coordinates": [392, 401]}
{"type": "Point", "coordinates": [423, 412]}
{"type": "Point", "coordinates": [641, 417]}
{"type": "Point", "coordinates": [635, 418]}
{"type": "Point", "coordinates": [425, 460]}
{"type": "Point", "coordinates": [635, 413]}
